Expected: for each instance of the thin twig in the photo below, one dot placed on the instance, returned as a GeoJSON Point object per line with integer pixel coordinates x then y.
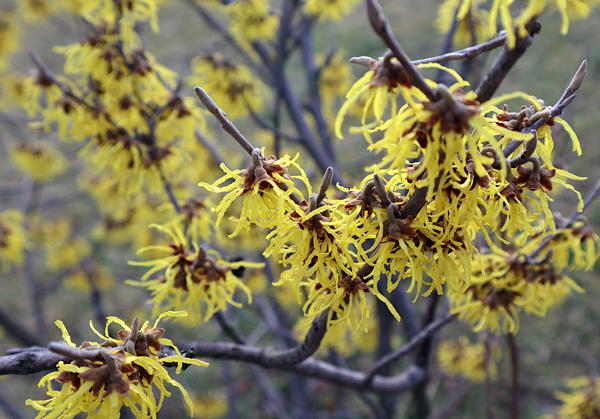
{"type": "Point", "coordinates": [221, 116]}
{"type": "Point", "coordinates": [409, 346]}
{"type": "Point", "coordinates": [565, 100]}
{"type": "Point", "coordinates": [214, 152]}
{"type": "Point", "coordinates": [514, 360]}
{"type": "Point", "coordinates": [382, 28]}
{"type": "Point", "coordinates": [503, 63]}
{"type": "Point", "coordinates": [454, 400]}
{"type": "Point", "coordinates": [312, 78]}
{"type": "Point", "coordinates": [466, 53]}
{"type": "Point", "coordinates": [274, 129]}
{"type": "Point", "coordinates": [589, 199]}
{"type": "Point", "coordinates": [18, 331]}
{"type": "Point", "coordinates": [228, 329]}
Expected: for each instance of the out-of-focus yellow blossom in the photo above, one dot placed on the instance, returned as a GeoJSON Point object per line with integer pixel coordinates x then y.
{"type": "Point", "coordinates": [36, 10]}
{"type": "Point", "coordinates": [575, 248]}
{"type": "Point", "coordinates": [468, 359]}
{"type": "Point", "coordinates": [230, 84]}
{"type": "Point", "coordinates": [190, 279]}
{"type": "Point", "coordinates": [335, 78]}
{"type": "Point", "coordinates": [67, 253]}
{"type": "Point", "coordinates": [582, 402]}
{"type": "Point", "coordinates": [503, 284]}
{"type": "Point", "coordinates": [9, 36]}
{"type": "Point", "coordinates": [262, 184]}
{"type": "Point", "coordinates": [330, 9]}
{"type": "Point", "coordinates": [41, 161]}
{"type": "Point", "coordinates": [11, 91]}
{"type": "Point", "coordinates": [63, 249]}
{"type": "Point", "coordinates": [103, 378]}
{"type": "Point", "coordinates": [471, 21]}
{"type": "Point", "coordinates": [211, 406]}
{"type": "Point", "coordinates": [568, 9]}
{"type": "Point", "coordinates": [121, 16]}
{"type": "Point", "coordinates": [82, 279]}
{"type": "Point", "coordinates": [14, 239]}
{"type": "Point", "coordinates": [252, 20]}
{"type": "Point", "coordinates": [340, 335]}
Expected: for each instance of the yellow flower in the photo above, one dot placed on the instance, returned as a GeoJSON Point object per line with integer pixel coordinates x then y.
{"type": "Point", "coordinates": [583, 402]}
{"type": "Point", "coordinates": [230, 84]}
{"type": "Point", "coordinates": [41, 161]}
{"type": "Point", "coordinates": [380, 85]}
{"type": "Point", "coordinates": [569, 9]}
{"type": "Point", "coordinates": [330, 9]}
{"type": "Point", "coordinates": [9, 36]}
{"type": "Point", "coordinates": [251, 20]}
{"type": "Point", "coordinates": [103, 378]}
{"type": "Point", "coordinates": [13, 239]}
{"type": "Point", "coordinates": [471, 19]}
{"type": "Point", "coordinates": [36, 10]}
{"type": "Point", "coordinates": [193, 280]}
{"type": "Point", "coordinates": [82, 280]}
{"type": "Point", "coordinates": [574, 248]}
{"type": "Point", "coordinates": [12, 91]}
{"type": "Point", "coordinates": [262, 185]}
{"type": "Point", "coordinates": [503, 284]}
{"type": "Point", "coordinates": [211, 406]}
{"type": "Point", "coordinates": [468, 359]}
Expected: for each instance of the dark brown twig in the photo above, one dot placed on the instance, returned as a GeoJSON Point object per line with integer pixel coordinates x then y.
{"type": "Point", "coordinates": [221, 116]}
{"type": "Point", "coordinates": [503, 63]}
{"type": "Point", "coordinates": [18, 331]}
{"type": "Point", "coordinates": [382, 28]}
{"type": "Point", "coordinates": [409, 346]}
{"type": "Point", "coordinates": [514, 360]}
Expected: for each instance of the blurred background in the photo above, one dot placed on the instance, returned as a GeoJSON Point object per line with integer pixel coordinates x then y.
{"type": "Point", "coordinates": [552, 349]}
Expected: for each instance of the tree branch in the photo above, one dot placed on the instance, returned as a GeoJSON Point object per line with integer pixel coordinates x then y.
{"type": "Point", "coordinates": [466, 53]}
{"type": "Point", "coordinates": [382, 28]}
{"type": "Point", "coordinates": [221, 116]}
{"type": "Point", "coordinates": [503, 63]}
{"type": "Point", "coordinates": [34, 360]}
{"type": "Point", "coordinates": [565, 100]}
{"type": "Point", "coordinates": [18, 331]}
{"type": "Point", "coordinates": [409, 346]}
{"type": "Point", "coordinates": [30, 361]}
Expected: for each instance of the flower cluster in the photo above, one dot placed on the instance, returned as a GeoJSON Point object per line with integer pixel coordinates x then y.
{"type": "Point", "coordinates": [331, 9]}
{"type": "Point", "coordinates": [472, 21]}
{"type": "Point", "coordinates": [443, 180]}
{"type": "Point", "coordinates": [190, 279]}
{"type": "Point", "coordinates": [503, 283]}
{"type": "Point", "coordinates": [102, 378]}
{"type": "Point", "coordinates": [583, 402]}
{"type": "Point", "coordinates": [40, 161]}
{"type": "Point", "coordinates": [251, 20]}
{"type": "Point", "coordinates": [471, 360]}
{"type": "Point", "coordinates": [230, 84]}
{"type": "Point", "coordinates": [14, 239]}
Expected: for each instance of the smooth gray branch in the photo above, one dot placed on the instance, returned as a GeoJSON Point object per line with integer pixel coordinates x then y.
{"type": "Point", "coordinates": [466, 53]}
{"type": "Point", "coordinates": [221, 116]}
